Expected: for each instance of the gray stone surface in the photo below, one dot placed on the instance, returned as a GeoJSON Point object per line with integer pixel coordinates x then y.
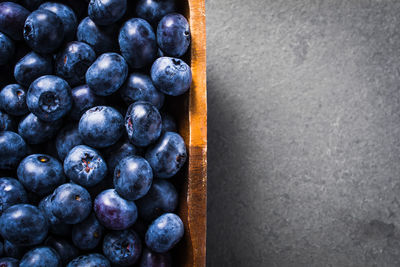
{"type": "Point", "coordinates": [304, 133]}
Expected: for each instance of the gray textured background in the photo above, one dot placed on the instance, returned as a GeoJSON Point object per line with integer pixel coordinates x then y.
{"type": "Point", "coordinates": [304, 133]}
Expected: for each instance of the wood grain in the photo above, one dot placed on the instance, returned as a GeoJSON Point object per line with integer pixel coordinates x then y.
{"type": "Point", "coordinates": [193, 127]}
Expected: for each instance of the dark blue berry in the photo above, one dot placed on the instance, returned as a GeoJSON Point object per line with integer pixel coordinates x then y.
{"type": "Point", "coordinates": [143, 123]}
{"type": "Point", "coordinates": [7, 48]}
{"type": "Point", "coordinates": [85, 166]}
{"type": "Point", "coordinates": [87, 234]}
{"type": "Point", "coordinates": [154, 259]}
{"type": "Point", "coordinates": [154, 10]}
{"type": "Point", "coordinates": [11, 192]}
{"type": "Point", "coordinates": [173, 35]}
{"type": "Point", "coordinates": [36, 131]}
{"type": "Point", "coordinates": [12, 100]}
{"type": "Point", "coordinates": [139, 87]}
{"type": "Point", "coordinates": [73, 61]}
{"type": "Point", "coordinates": [84, 99]}
{"type": "Point", "coordinates": [43, 27]}
{"type": "Point", "coordinates": [91, 260]}
{"type": "Point", "coordinates": [41, 256]}
{"type": "Point", "coordinates": [168, 155]}
{"type": "Point", "coordinates": [113, 211]}
{"type": "Point", "coordinates": [31, 67]}
{"type": "Point", "coordinates": [23, 224]}
{"type": "Point", "coordinates": [106, 12]}
{"type": "Point", "coordinates": [171, 76]}
{"type": "Point", "coordinates": [107, 74]}
{"type": "Point", "coordinates": [67, 138]}
{"type": "Point", "coordinates": [137, 43]}
{"type": "Point", "coordinates": [133, 177]}
{"type": "Point", "coordinates": [12, 149]}
{"type": "Point", "coordinates": [45, 208]}
{"type": "Point", "coordinates": [164, 233]}
{"type": "Point", "coordinates": [12, 19]}
{"type": "Point", "coordinates": [64, 248]}
{"type": "Point", "coordinates": [122, 248]}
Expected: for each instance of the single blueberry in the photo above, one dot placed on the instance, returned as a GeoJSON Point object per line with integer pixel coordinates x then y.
{"type": "Point", "coordinates": [168, 155]}
{"type": "Point", "coordinates": [67, 17]}
{"type": "Point", "coordinates": [71, 203]}
{"type": "Point", "coordinates": [7, 48]}
{"type": "Point", "coordinates": [133, 177]}
{"type": "Point", "coordinates": [139, 87]}
{"type": "Point", "coordinates": [164, 233]}
{"type": "Point", "coordinates": [113, 211]}
{"type": "Point", "coordinates": [7, 122]}
{"type": "Point", "coordinates": [73, 61]}
{"type": "Point", "coordinates": [40, 173]}
{"type": "Point", "coordinates": [85, 166]}
{"type": "Point", "coordinates": [45, 208]}
{"type": "Point", "coordinates": [67, 138]}
{"type": "Point", "coordinates": [173, 35]}
{"type": "Point", "coordinates": [31, 67]}
{"type": "Point", "coordinates": [12, 19]}
{"type": "Point", "coordinates": [24, 225]}
{"type": "Point", "coordinates": [84, 99]}
{"type": "Point", "coordinates": [91, 260]}
{"type": "Point", "coordinates": [12, 100]}
{"type": "Point", "coordinates": [154, 259]}
{"type": "Point", "coordinates": [154, 10]}
{"type": "Point", "coordinates": [9, 262]}
{"type": "Point", "coordinates": [87, 234]}
{"type": "Point", "coordinates": [106, 12]}
{"type": "Point", "coordinates": [12, 149]}
{"type": "Point", "coordinates": [43, 27]}
{"type": "Point", "coordinates": [11, 192]}
{"type": "Point", "coordinates": [13, 251]}
{"type": "Point", "coordinates": [122, 248]}
{"type": "Point", "coordinates": [101, 126]}
{"type": "Point", "coordinates": [107, 74]}
{"type": "Point", "coordinates": [168, 122]}
{"type": "Point", "coordinates": [36, 131]}
{"type": "Point", "coordinates": [171, 76]}
{"type": "Point", "coordinates": [101, 39]}
{"type": "Point", "coordinates": [137, 43]}
{"type": "Point", "coordinates": [64, 248]}
{"type": "Point", "coordinates": [49, 98]}
{"type": "Point", "coordinates": [161, 198]}
{"type": "Point", "coordinates": [41, 256]}
{"type": "Point", "coordinates": [117, 152]}
{"type": "Point", "coordinates": [143, 123]}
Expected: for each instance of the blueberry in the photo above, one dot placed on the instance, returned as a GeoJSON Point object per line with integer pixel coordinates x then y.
{"type": "Point", "coordinates": [67, 138]}
{"type": "Point", "coordinates": [113, 211]}
{"type": "Point", "coordinates": [101, 39]}
{"type": "Point", "coordinates": [106, 12]}
{"type": "Point", "coordinates": [85, 166]}
{"type": "Point", "coordinates": [154, 10]}
{"type": "Point", "coordinates": [12, 100]}
{"type": "Point", "coordinates": [101, 126]}
{"type": "Point", "coordinates": [91, 260]}
{"type": "Point", "coordinates": [164, 233]}
{"type": "Point", "coordinates": [40, 257]}
{"type": "Point", "coordinates": [13, 251]}
{"type": "Point", "coordinates": [7, 48]}
{"type": "Point", "coordinates": [143, 123]}
{"type": "Point", "coordinates": [11, 192]}
{"type": "Point", "coordinates": [9, 262]}
{"type": "Point", "coordinates": [140, 87]}
{"type": "Point", "coordinates": [122, 248]}
{"type": "Point", "coordinates": [12, 149]}
{"type": "Point", "coordinates": [107, 74]}
{"type": "Point", "coordinates": [49, 98]}
{"type": "Point", "coordinates": [171, 76]}
{"type": "Point", "coordinates": [12, 19]}
{"type": "Point", "coordinates": [83, 99]}
{"type": "Point", "coordinates": [36, 131]}
{"type": "Point", "coordinates": [133, 177]}
{"type": "Point", "coordinates": [73, 61]}
{"type": "Point", "coordinates": [67, 17]}
{"type": "Point", "coordinates": [168, 155]}
{"type": "Point", "coordinates": [154, 259]}
{"type": "Point", "coordinates": [45, 208]}
{"type": "Point", "coordinates": [7, 122]}
{"type": "Point", "coordinates": [64, 248]}
{"type": "Point", "coordinates": [31, 4]}
{"type": "Point", "coordinates": [87, 234]}
{"type": "Point", "coordinates": [173, 34]}
{"type": "Point", "coordinates": [71, 203]}
{"type": "Point", "coordinates": [161, 198]}
{"type": "Point", "coordinates": [43, 27]}
{"type": "Point", "coordinates": [40, 173]}
{"type": "Point", "coordinates": [31, 67]}
{"type": "Point", "coordinates": [23, 224]}
{"type": "Point", "coordinates": [168, 123]}
{"type": "Point", "coordinates": [117, 152]}
{"type": "Point", "coordinates": [137, 43]}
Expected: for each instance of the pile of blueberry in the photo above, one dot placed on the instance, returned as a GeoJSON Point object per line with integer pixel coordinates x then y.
{"type": "Point", "coordinates": [87, 144]}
